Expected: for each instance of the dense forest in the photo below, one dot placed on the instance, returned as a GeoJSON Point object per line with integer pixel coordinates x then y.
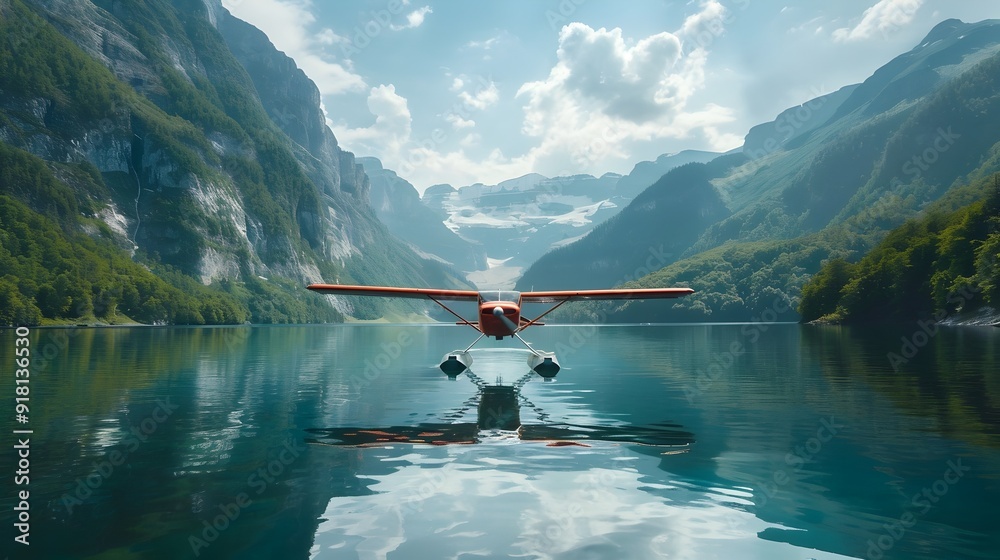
{"type": "Point", "coordinates": [932, 267]}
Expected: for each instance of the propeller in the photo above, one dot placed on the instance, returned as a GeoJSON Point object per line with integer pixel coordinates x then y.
{"type": "Point", "coordinates": [498, 312]}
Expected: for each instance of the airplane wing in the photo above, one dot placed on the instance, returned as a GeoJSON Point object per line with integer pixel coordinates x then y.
{"type": "Point", "coordinates": [395, 292]}
{"type": "Point", "coordinates": [575, 295]}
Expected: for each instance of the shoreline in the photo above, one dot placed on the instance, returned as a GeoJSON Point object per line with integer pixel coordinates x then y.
{"type": "Point", "coordinates": [983, 317]}
{"type": "Point", "coordinates": [980, 319]}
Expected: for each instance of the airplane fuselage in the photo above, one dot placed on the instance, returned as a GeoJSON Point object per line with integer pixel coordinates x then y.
{"type": "Point", "coordinates": [498, 312]}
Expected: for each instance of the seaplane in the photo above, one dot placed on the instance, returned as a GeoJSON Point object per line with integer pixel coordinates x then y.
{"type": "Point", "coordinates": [499, 313]}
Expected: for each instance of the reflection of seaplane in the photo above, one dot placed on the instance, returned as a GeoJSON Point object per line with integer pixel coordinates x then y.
{"type": "Point", "coordinates": [498, 411]}
{"type": "Point", "coordinates": [500, 313]}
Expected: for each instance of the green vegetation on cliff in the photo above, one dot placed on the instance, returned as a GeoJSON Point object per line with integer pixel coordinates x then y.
{"type": "Point", "coordinates": [53, 271]}
{"type": "Point", "coordinates": [945, 262]}
{"type": "Point", "coordinates": [144, 180]}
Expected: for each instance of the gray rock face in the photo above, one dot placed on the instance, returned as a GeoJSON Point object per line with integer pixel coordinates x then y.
{"type": "Point", "coordinates": [397, 203]}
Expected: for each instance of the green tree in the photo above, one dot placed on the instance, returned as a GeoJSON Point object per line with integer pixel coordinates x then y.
{"type": "Point", "coordinates": [15, 309]}
{"type": "Point", "coordinates": [822, 294]}
{"type": "Point", "coordinates": [987, 277]}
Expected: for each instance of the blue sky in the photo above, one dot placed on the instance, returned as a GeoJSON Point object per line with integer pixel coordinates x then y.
{"type": "Point", "coordinates": [458, 92]}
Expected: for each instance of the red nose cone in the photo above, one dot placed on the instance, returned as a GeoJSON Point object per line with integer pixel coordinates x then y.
{"type": "Point", "coordinates": [497, 319]}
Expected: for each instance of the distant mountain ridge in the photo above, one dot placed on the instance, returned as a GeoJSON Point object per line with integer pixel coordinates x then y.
{"type": "Point", "coordinates": [514, 222]}
{"type": "Point", "coordinates": [397, 204]}
{"type": "Point", "coordinates": [660, 223]}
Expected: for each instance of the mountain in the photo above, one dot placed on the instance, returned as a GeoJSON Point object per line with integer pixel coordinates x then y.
{"type": "Point", "coordinates": [651, 232]}
{"type": "Point", "coordinates": [397, 204]}
{"type": "Point", "coordinates": [175, 142]}
{"type": "Point", "coordinates": [792, 123]}
{"type": "Point", "coordinates": [645, 173]}
{"type": "Point", "coordinates": [941, 265]}
{"type": "Point", "coordinates": [519, 220]}
{"type": "Point", "coordinates": [859, 162]}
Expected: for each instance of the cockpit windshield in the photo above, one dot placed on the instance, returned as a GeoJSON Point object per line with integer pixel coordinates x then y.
{"type": "Point", "coordinates": [499, 295]}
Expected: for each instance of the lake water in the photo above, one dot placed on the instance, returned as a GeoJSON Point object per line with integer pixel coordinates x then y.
{"type": "Point", "coordinates": [677, 441]}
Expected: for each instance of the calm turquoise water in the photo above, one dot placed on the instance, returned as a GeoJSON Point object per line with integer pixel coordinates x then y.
{"type": "Point", "coordinates": [762, 441]}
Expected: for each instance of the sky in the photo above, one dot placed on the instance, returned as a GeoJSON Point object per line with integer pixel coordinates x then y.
{"type": "Point", "coordinates": [460, 92]}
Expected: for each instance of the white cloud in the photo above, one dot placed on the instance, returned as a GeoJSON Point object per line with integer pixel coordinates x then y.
{"type": "Point", "coordinates": [606, 94]}
{"type": "Point", "coordinates": [428, 164]}
{"type": "Point", "coordinates": [883, 17]}
{"type": "Point", "coordinates": [471, 140]}
{"type": "Point", "coordinates": [413, 19]}
{"type": "Point", "coordinates": [457, 121]}
{"type": "Point", "coordinates": [606, 97]}
{"type": "Point", "coordinates": [328, 37]}
{"type": "Point", "coordinates": [474, 94]}
{"type": "Point", "coordinates": [486, 44]}
{"type": "Point", "coordinates": [390, 133]}
{"type": "Point", "coordinates": [289, 26]}
{"type": "Point", "coordinates": [501, 38]}
{"type": "Point", "coordinates": [708, 22]}
{"type": "Point", "coordinates": [482, 98]}
{"type": "Point", "coordinates": [424, 160]}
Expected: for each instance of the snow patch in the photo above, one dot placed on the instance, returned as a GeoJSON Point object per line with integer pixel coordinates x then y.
{"type": "Point", "coordinates": [580, 217]}
{"type": "Point", "coordinates": [498, 276]}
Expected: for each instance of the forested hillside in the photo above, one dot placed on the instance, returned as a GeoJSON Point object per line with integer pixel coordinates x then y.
{"type": "Point", "coordinates": [835, 190]}
{"type": "Point", "coordinates": [944, 263]}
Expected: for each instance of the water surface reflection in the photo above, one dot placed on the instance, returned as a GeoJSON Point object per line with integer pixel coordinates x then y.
{"type": "Point", "coordinates": [498, 415]}
{"type": "Point", "coordinates": [810, 443]}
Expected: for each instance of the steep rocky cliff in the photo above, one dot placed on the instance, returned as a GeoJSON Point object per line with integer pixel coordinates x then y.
{"type": "Point", "coordinates": [397, 203]}
{"type": "Point", "coordinates": [211, 151]}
